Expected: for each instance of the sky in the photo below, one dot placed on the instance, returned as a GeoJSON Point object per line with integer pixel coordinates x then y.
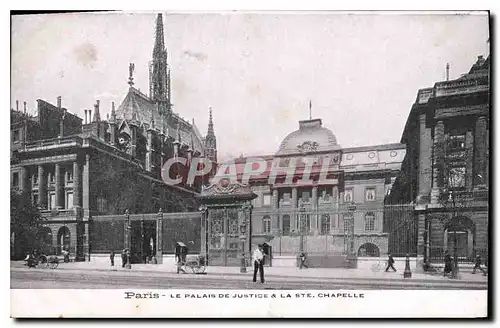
{"type": "Point", "coordinates": [257, 71]}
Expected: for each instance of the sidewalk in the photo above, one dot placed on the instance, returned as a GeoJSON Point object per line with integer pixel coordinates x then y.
{"type": "Point", "coordinates": [284, 272]}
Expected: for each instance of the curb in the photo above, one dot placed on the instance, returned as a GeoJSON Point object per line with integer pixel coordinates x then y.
{"type": "Point", "coordinates": [375, 280]}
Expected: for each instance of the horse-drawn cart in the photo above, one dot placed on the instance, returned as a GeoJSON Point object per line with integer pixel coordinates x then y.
{"type": "Point", "coordinates": [194, 263]}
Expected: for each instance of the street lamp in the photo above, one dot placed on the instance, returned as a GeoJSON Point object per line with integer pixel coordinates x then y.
{"type": "Point", "coordinates": [128, 229]}
{"type": "Point", "coordinates": [301, 225]}
{"type": "Point", "coordinates": [352, 209]}
{"type": "Point", "coordinates": [204, 239]}
{"type": "Point", "coordinates": [243, 236]}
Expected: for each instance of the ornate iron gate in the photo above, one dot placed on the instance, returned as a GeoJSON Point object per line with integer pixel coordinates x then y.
{"type": "Point", "coordinates": [223, 236]}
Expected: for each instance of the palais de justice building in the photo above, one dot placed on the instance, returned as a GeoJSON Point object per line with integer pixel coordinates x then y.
{"type": "Point", "coordinates": [343, 214]}
{"type": "Point", "coordinates": [446, 169]}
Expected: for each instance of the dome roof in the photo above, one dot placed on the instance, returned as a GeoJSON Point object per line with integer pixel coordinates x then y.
{"type": "Point", "coordinates": [310, 137]}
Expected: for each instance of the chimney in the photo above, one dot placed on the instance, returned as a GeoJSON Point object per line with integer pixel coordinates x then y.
{"type": "Point", "coordinates": [90, 116]}
{"type": "Point", "coordinates": [86, 116]}
{"type": "Point", "coordinates": [59, 102]}
{"type": "Point", "coordinates": [24, 106]}
{"type": "Point", "coordinates": [97, 115]}
{"type": "Point", "coordinates": [447, 71]}
{"type": "Point", "coordinates": [17, 105]}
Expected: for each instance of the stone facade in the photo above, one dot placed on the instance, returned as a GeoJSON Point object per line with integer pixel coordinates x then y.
{"type": "Point", "coordinates": [79, 169]}
{"type": "Point", "coordinates": [446, 169]}
{"type": "Point", "coordinates": [343, 183]}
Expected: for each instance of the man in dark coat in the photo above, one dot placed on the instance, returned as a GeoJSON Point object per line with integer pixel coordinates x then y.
{"type": "Point", "coordinates": [258, 263]}
{"type": "Point", "coordinates": [112, 258]}
{"type": "Point", "coordinates": [390, 263]}
{"type": "Point", "coordinates": [303, 260]}
{"type": "Point", "coordinates": [124, 258]}
{"type": "Point", "coordinates": [448, 265]}
{"type": "Point", "coordinates": [477, 266]}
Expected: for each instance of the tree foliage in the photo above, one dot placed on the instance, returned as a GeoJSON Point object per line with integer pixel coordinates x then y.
{"type": "Point", "coordinates": [25, 221]}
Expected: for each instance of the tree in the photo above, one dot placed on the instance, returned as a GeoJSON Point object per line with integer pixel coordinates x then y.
{"type": "Point", "coordinates": [25, 221]}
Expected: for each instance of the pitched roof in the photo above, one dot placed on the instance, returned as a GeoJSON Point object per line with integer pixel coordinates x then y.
{"type": "Point", "coordinates": [138, 106]}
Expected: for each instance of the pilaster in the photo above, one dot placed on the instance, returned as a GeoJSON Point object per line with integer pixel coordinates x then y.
{"type": "Point", "coordinates": [425, 158]}
{"type": "Point", "coordinates": [42, 187]}
{"type": "Point", "coordinates": [314, 206]}
{"type": "Point", "coordinates": [438, 165]}
{"type": "Point", "coordinates": [481, 175]}
{"type": "Point", "coordinates": [294, 206]}
{"type": "Point", "coordinates": [59, 189]}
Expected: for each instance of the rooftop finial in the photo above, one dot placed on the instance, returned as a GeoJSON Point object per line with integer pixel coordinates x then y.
{"type": "Point", "coordinates": [131, 68]}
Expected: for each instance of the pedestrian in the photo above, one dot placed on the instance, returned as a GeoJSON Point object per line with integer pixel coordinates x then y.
{"type": "Point", "coordinates": [258, 263]}
{"type": "Point", "coordinates": [124, 257]}
{"type": "Point", "coordinates": [112, 258]}
{"type": "Point", "coordinates": [303, 259]}
{"type": "Point", "coordinates": [390, 263]}
{"type": "Point", "coordinates": [477, 266]}
{"type": "Point", "coordinates": [448, 265]}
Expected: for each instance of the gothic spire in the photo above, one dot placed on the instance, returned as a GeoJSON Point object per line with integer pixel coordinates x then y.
{"type": "Point", "coordinates": [210, 131]}
{"type": "Point", "coordinates": [113, 113]}
{"type": "Point", "coordinates": [158, 80]}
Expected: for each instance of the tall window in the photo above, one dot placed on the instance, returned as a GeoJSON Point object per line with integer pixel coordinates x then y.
{"type": "Point", "coordinates": [456, 142]}
{"type": "Point", "coordinates": [69, 200]}
{"type": "Point", "coordinates": [102, 205]}
{"type": "Point", "coordinates": [286, 225]}
{"type": "Point", "coordinates": [52, 200]}
{"type": "Point", "coordinates": [69, 176]}
{"type": "Point", "coordinates": [348, 195]}
{"type": "Point", "coordinates": [266, 224]}
{"type": "Point", "coordinates": [370, 194]}
{"type": "Point", "coordinates": [369, 221]}
{"type": "Point", "coordinates": [325, 224]}
{"type": "Point", "coordinates": [266, 200]}
{"type": "Point", "coordinates": [456, 177]}
{"type": "Point", "coordinates": [15, 179]}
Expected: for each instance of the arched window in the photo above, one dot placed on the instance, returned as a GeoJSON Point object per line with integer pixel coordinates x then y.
{"type": "Point", "coordinates": [325, 224]}
{"type": "Point", "coordinates": [266, 224]}
{"type": "Point", "coordinates": [286, 225]}
{"type": "Point", "coordinates": [304, 223]}
{"type": "Point", "coordinates": [369, 221]}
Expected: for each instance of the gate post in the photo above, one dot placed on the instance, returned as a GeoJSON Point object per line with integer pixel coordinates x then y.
{"type": "Point", "coordinates": [159, 237]}
{"type": "Point", "coordinates": [203, 233]}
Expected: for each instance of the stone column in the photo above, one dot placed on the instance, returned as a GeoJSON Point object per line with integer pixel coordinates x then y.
{"type": "Point", "coordinates": [86, 186]}
{"type": "Point", "coordinates": [59, 196]}
{"type": "Point", "coordinates": [469, 148]}
{"type": "Point", "coordinates": [42, 187]}
{"type": "Point", "coordinates": [421, 235]}
{"type": "Point", "coordinates": [314, 219]}
{"type": "Point", "coordinates": [335, 202]}
{"type": "Point", "coordinates": [294, 206]}
{"type": "Point", "coordinates": [24, 179]}
{"type": "Point", "coordinates": [438, 164]}
{"type": "Point", "coordinates": [275, 219]}
{"type": "Point", "coordinates": [480, 158]}
{"type": "Point", "coordinates": [76, 185]}
{"type": "Point", "coordinates": [425, 158]}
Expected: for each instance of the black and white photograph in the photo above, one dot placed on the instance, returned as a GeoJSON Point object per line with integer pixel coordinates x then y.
{"type": "Point", "coordinates": [260, 156]}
